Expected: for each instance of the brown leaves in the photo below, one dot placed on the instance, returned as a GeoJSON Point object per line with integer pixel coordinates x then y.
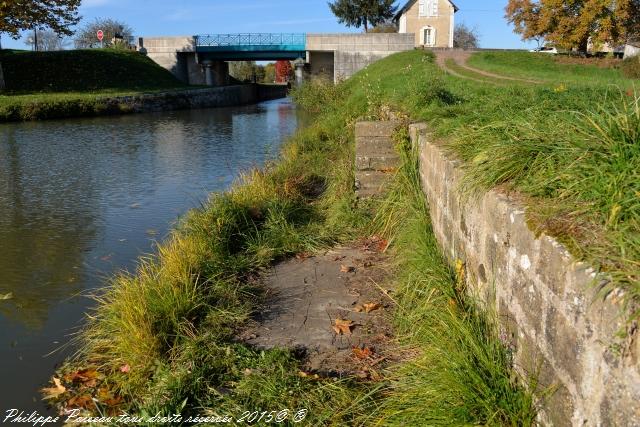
{"type": "Point", "coordinates": [303, 255]}
{"type": "Point", "coordinates": [376, 244]}
{"type": "Point", "coordinates": [367, 307]}
{"type": "Point", "coordinates": [362, 353]}
{"type": "Point", "coordinates": [80, 402]}
{"type": "Point", "coordinates": [85, 378]}
{"type": "Point", "coordinates": [54, 392]}
{"type": "Point", "coordinates": [343, 326]}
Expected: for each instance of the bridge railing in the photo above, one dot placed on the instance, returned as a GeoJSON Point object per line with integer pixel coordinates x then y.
{"type": "Point", "coordinates": [251, 39]}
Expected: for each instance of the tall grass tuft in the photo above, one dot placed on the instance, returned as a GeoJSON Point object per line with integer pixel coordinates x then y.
{"type": "Point", "coordinates": [462, 371]}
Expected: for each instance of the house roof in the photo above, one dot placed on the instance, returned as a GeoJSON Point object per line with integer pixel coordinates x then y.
{"type": "Point", "coordinates": [410, 3]}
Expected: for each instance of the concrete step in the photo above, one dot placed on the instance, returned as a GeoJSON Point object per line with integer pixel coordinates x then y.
{"type": "Point", "coordinates": [376, 129]}
{"type": "Point", "coordinates": [371, 183]}
{"type": "Point", "coordinates": [377, 163]}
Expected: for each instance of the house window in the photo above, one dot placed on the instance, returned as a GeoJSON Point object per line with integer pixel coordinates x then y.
{"type": "Point", "coordinates": [428, 36]}
{"type": "Point", "coordinates": [428, 8]}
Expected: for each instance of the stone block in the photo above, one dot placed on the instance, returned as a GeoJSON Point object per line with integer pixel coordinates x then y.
{"type": "Point", "coordinates": [371, 183]}
{"type": "Point", "coordinates": [376, 129]}
{"type": "Point", "coordinates": [378, 163]}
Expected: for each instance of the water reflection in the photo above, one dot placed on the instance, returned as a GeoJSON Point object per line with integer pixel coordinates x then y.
{"type": "Point", "coordinates": [82, 198]}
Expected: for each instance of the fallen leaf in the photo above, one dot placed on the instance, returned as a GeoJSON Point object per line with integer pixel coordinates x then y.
{"type": "Point", "coordinates": [371, 306]}
{"type": "Point", "coordinates": [347, 269]}
{"type": "Point", "coordinates": [362, 353]}
{"type": "Point", "coordinates": [83, 376]}
{"type": "Point", "coordinates": [339, 258]}
{"type": "Point", "coordinates": [114, 401]}
{"type": "Point", "coordinates": [6, 296]}
{"type": "Point", "coordinates": [383, 244]}
{"type": "Point", "coordinates": [125, 368]}
{"type": "Point", "coordinates": [54, 392]}
{"type": "Point", "coordinates": [358, 308]}
{"type": "Point", "coordinates": [343, 326]}
{"type": "Point", "coordinates": [302, 256]}
{"type": "Point", "coordinates": [80, 402]}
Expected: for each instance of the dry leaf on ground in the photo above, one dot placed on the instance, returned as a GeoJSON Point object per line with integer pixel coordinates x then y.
{"type": "Point", "coordinates": [362, 353]}
{"type": "Point", "coordinates": [371, 306]}
{"type": "Point", "coordinates": [343, 326]}
{"type": "Point", "coordinates": [54, 392]}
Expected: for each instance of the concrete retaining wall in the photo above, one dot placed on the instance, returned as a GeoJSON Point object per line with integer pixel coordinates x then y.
{"type": "Point", "coordinates": [546, 300]}
{"type": "Point", "coordinates": [353, 52]}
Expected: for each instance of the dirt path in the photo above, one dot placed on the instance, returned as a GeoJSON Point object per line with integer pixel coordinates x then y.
{"type": "Point", "coordinates": [461, 57]}
{"type": "Point", "coordinates": [334, 307]}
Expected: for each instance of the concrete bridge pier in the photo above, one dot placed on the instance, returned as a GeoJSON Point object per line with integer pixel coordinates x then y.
{"type": "Point", "coordinates": [299, 71]}
{"type": "Point", "coordinates": [216, 73]}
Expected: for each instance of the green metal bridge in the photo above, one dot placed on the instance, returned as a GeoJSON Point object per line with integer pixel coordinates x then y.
{"type": "Point", "coordinates": [252, 46]}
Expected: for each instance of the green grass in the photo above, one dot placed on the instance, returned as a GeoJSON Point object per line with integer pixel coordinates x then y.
{"type": "Point", "coordinates": [545, 67]}
{"type": "Point", "coordinates": [44, 85]}
{"type": "Point", "coordinates": [465, 72]}
{"type": "Point", "coordinates": [90, 70]}
{"type": "Point", "coordinates": [570, 149]}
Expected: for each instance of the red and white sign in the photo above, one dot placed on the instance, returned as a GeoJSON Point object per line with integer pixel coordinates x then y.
{"type": "Point", "coordinates": [100, 35]}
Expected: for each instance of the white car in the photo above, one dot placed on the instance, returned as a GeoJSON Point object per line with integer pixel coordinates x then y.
{"type": "Point", "coordinates": [546, 49]}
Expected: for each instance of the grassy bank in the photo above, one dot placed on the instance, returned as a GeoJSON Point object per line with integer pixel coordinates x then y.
{"type": "Point", "coordinates": [41, 85]}
{"type": "Point", "coordinates": [162, 339]}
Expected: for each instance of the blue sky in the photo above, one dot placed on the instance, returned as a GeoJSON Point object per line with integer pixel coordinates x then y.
{"type": "Point", "coordinates": [183, 17]}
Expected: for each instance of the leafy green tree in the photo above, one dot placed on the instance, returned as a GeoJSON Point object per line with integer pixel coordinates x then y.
{"type": "Point", "coordinates": [19, 15]}
{"type": "Point", "coordinates": [572, 23]}
{"type": "Point", "coordinates": [113, 29]}
{"type": "Point", "coordinates": [362, 13]}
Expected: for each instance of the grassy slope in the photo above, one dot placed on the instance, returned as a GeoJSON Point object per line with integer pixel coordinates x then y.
{"type": "Point", "coordinates": [545, 67]}
{"type": "Point", "coordinates": [91, 70]}
{"type": "Point", "coordinates": [71, 83]}
{"type": "Point", "coordinates": [173, 322]}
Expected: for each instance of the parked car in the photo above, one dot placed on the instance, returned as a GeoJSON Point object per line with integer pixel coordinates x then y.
{"type": "Point", "coordinates": [545, 49]}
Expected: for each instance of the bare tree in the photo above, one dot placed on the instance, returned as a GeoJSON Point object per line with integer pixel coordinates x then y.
{"type": "Point", "coordinates": [113, 29]}
{"type": "Point", "coordinates": [47, 40]}
{"type": "Point", "coordinates": [465, 37]}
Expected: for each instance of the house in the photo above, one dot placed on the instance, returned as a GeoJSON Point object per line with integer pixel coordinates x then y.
{"type": "Point", "coordinates": [632, 49]}
{"type": "Point", "coordinates": [432, 22]}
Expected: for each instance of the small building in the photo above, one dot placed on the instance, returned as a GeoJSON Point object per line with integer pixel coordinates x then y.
{"type": "Point", "coordinates": [632, 49]}
{"type": "Point", "coordinates": [432, 22]}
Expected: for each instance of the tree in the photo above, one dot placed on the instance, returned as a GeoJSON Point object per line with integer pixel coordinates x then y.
{"type": "Point", "coordinates": [58, 15]}
{"type": "Point", "coordinates": [247, 71]}
{"type": "Point", "coordinates": [465, 37]}
{"type": "Point", "coordinates": [572, 24]}
{"type": "Point", "coordinates": [385, 27]}
{"type": "Point", "coordinates": [270, 73]}
{"type": "Point", "coordinates": [362, 13]}
{"type": "Point", "coordinates": [47, 41]}
{"type": "Point", "coordinates": [18, 15]}
{"type": "Point", "coordinates": [113, 30]}
{"type": "Point", "coordinates": [284, 71]}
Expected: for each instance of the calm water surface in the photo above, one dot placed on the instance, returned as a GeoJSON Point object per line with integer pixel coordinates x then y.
{"type": "Point", "coordinates": [80, 199]}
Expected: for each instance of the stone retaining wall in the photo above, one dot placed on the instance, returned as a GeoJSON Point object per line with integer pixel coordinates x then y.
{"type": "Point", "coordinates": [546, 300]}
{"type": "Point", "coordinates": [225, 96]}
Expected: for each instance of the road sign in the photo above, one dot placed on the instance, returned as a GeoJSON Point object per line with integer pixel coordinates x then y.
{"type": "Point", "coordinates": [100, 35]}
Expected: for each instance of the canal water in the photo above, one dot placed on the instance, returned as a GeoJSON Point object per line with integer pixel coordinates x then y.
{"type": "Point", "coordinates": [82, 199]}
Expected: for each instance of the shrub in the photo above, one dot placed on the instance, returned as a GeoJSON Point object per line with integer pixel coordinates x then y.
{"type": "Point", "coordinates": [631, 67]}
